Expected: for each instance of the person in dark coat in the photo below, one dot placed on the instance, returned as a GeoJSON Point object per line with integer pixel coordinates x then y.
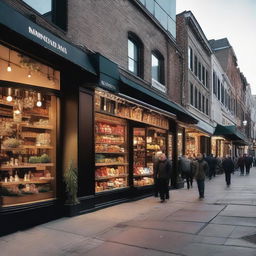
{"type": "Point", "coordinates": [229, 167]}
{"type": "Point", "coordinates": [212, 163]}
{"type": "Point", "coordinates": [248, 160]}
{"type": "Point", "coordinates": [200, 168]}
{"type": "Point", "coordinates": [155, 164]}
{"type": "Point", "coordinates": [185, 168]}
{"type": "Point", "coordinates": [240, 163]}
{"type": "Point", "coordinates": [163, 174]}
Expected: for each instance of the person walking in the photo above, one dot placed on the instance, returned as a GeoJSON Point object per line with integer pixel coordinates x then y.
{"type": "Point", "coordinates": [212, 163]}
{"type": "Point", "coordinates": [240, 163]}
{"type": "Point", "coordinates": [185, 168]}
{"type": "Point", "coordinates": [163, 174]}
{"type": "Point", "coordinates": [248, 163]}
{"type": "Point", "coordinates": [200, 167]}
{"type": "Point", "coordinates": [228, 167]}
{"type": "Point", "coordinates": [155, 164]}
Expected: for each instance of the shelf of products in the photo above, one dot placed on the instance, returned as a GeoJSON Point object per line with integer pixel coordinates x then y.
{"type": "Point", "coordinates": [111, 163]}
{"type": "Point", "coordinates": [27, 146]}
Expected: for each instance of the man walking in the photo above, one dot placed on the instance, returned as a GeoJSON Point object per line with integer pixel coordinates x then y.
{"type": "Point", "coordinates": [200, 167]}
{"type": "Point", "coordinates": [185, 169]}
{"type": "Point", "coordinates": [248, 163]}
{"type": "Point", "coordinates": [163, 174]}
{"type": "Point", "coordinates": [229, 167]}
{"type": "Point", "coordinates": [240, 163]}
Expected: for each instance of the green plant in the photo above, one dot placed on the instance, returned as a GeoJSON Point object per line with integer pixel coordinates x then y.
{"type": "Point", "coordinates": [70, 179]}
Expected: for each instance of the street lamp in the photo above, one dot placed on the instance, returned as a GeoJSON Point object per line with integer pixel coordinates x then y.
{"type": "Point", "coordinates": [244, 122]}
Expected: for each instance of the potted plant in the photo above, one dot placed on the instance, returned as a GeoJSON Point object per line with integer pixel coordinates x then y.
{"type": "Point", "coordinates": [70, 179]}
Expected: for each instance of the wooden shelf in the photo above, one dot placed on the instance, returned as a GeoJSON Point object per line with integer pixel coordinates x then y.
{"type": "Point", "coordinates": [112, 143]}
{"type": "Point", "coordinates": [109, 164]}
{"type": "Point", "coordinates": [35, 114]}
{"type": "Point", "coordinates": [45, 127]}
{"type": "Point", "coordinates": [34, 181]}
{"type": "Point", "coordinates": [111, 152]}
{"type": "Point", "coordinates": [109, 134]}
{"type": "Point", "coordinates": [27, 146]}
{"type": "Point", "coordinates": [142, 175]}
{"type": "Point", "coordinates": [111, 177]}
{"type": "Point", "coordinates": [5, 167]}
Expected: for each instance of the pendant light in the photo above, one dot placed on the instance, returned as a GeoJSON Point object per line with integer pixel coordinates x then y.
{"type": "Point", "coordinates": [39, 100]}
{"type": "Point", "coordinates": [29, 74]}
{"type": "Point", "coordinates": [9, 97]}
{"type": "Point", "coordinates": [9, 68]}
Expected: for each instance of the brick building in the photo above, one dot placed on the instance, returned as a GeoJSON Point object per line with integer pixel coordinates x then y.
{"type": "Point", "coordinates": [197, 81]}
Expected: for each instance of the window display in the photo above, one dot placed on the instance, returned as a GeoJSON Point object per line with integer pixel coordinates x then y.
{"type": "Point", "coordinates": [27, 145]}
{"type": "Point", "coordinates": [144, 151]}
{"type": "Point", "coordinates": [111, 161]}
{"type": "Point", "coordinates": [180, 142]}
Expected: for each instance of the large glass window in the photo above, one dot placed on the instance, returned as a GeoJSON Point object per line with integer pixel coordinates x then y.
{"type": "Point", "coordinates": [196, 98]}
{"type": "Point", "coordinates": [28, 123]}
{"type": "Point", "coordinates": [42, 7]}
{"type": "Point", "coordinates": [214, 83]}
{"type": "Point", "coordinates": [191, 94]}
{"type": "Point", "coordinates": [195, 65]}
{"type": "Point", "coordinates": [157, 68]}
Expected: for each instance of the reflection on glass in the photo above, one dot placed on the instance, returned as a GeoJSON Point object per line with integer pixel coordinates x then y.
{"type": "Point", "coordinates": [155, 68]}
{"type": "Point", "coordinates": [41, 6]}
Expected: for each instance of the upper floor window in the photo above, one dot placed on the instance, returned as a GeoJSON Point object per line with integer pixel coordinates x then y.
{"type": "Point", "coordinates": [157, 67]}
{"type": "Point", "coordinates": [218, 89]}
{"type": "Point", "coordinates": [195, 65]}
{"type": "Point", "coordinates": [53, 10]}
{"type": "Point", "coordinates": [190, 58]}
{"type": "Point", "coordinates": [135, 55]}
{"type": "Point", "coordinates": [191, 94]}
{"type": "Point", "coordinates": [214, 83]}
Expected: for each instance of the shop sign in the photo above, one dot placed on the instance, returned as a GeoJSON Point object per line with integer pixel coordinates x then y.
{"type": "Point", "coordinates": [47, 40]}
{"type": "Point", "coordinates": [16, 22]}
{"type": "Point", "coordinates": [107, 85]}
{"type": "Point", "coordinates": [158, 86]}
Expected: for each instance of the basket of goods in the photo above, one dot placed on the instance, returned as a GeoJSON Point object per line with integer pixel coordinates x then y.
{"type": "Point", "coordinates": [11, 143]}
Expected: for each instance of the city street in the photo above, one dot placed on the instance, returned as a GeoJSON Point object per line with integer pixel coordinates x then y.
{"type": "Point", "coordinates": [224, 223]}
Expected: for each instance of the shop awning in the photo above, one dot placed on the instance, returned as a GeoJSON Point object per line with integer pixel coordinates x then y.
{"type": "Point", "coordinates": [15, 21]}
{"type": "Point", "coordinates": [151, 97]}
{"type": "Point", "coordinates": [231, 132]}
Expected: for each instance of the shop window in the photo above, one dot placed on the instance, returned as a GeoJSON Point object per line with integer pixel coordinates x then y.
{"type": "Point", "coordinates": [28, 122]}
{"type": "Point", "coordinates": [135, 55]}
{"type": "Point", "coordinates": [180, 142]}
{"type": "Point", "coordinates": [53, 10]}
{"type": "Point", "coordinates": [157, 67]}
{"type": "Point", "coordinates": [28, 145]}
{"type": "Point", "coordinates": [190, 58]}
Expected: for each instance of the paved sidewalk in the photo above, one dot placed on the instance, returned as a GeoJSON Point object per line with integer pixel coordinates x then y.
{"type": "Point", "coordinates": [218, 225]}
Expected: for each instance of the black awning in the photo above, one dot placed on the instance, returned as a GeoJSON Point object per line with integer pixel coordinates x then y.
{"type": "Point", "coordinates": [155, 99]}
{"type": "Point", "coordinates": [231, 132]}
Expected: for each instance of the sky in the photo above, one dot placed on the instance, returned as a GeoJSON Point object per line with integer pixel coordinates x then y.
{"type": "Point", "coordinates": [234, 19]}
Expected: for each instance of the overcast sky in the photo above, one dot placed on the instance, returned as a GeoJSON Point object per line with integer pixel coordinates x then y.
{"type": "Point", "coordinates": [234, 19]}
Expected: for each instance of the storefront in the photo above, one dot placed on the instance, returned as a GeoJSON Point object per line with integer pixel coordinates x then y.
{"type": "Point", "coordinates": [221, 146]}
{"type": "Point", "coordinates": [35, 100]}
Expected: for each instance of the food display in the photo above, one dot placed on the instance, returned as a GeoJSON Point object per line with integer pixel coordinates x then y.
{"type": "Point", "coordinates": [111, 164]}
{"type": "Point", "coordinates": [27, 152]}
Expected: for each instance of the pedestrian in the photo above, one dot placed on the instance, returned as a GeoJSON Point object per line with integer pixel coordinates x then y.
{"type": "Point", "coordinates": [240, 163]}
{"type": "Point", "coordinates": [212, 163]}
{"type": "Point", "coordinates": [155, 163]}
{"type": "Point", "coordinates": [248, 163]}
{"type": "Point", "coordinates": [200, 168]}
{"type": "Point", "coordinates": [163, 174]}
{"type": "Point", "coordinates": [185, 168]}
{"type": "Point", "coordinates": [228, 167]}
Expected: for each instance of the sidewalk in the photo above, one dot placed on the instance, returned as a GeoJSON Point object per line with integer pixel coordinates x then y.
{"type": "Point", "coordinates": [182, 226]}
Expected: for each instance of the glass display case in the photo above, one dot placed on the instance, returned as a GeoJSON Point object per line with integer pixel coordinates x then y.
{"type": "Point", "coordinates": [111, 156]}
{"type": "Point", "coordinates": [27, 146]}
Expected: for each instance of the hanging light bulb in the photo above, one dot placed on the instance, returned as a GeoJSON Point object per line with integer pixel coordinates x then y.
{"type": "Point", "coordinates": [9, 97]}
{"type": "Point", "coordinates": [39, 100]}
{"type": "Point", "coordinates": [29, 74]}
{"type": "Point", "coordinates": [9, 68]}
